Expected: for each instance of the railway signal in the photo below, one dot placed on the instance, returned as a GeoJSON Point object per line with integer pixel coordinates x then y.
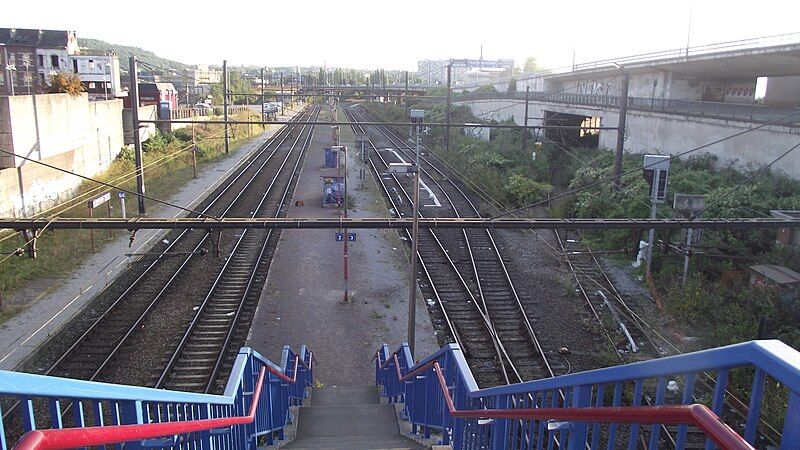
{"type": "Point", "coordinates": [417, 117]}
{"type": "Point", "coordinates": [656, 169]}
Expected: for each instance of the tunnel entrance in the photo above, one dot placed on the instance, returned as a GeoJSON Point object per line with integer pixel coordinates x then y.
{"type": "Point", "coordinates": [585, 137]}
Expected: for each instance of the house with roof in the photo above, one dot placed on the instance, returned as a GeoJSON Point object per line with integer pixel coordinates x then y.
{"type": "Point", "coordinates": [29, 56]}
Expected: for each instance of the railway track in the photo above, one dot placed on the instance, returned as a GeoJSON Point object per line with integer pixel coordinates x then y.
{"type": "Point", "coordinates": [464, 271]}
{"type": "Point", "coordinates": [204, 355]}
{"type": "Point", "coordinates": [601, 296]}
{"type": "Point", "coordinates": [185, 267]}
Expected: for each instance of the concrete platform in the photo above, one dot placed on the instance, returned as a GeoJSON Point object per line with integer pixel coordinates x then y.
{"type": "Point", "coordinates": [302, 301]}
{"type": "Point", "coordinates": [51, 303]}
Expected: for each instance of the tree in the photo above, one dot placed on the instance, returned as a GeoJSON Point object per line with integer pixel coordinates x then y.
{"type": "Point", "coordinates": [512, 85]}
{"type": "Point", "coordinates": [531, 65]}
{"type": "Point", "coordinates": [66, 82]}
{"type": "Point", "coordinates": [237, 84]}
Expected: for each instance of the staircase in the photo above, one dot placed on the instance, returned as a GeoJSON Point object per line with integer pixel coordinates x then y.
{"type": "Point", "coordinates": [349, 417]}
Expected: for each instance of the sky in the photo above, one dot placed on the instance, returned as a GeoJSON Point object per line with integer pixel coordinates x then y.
{"type": "Point", "coordinates": [395, 34]}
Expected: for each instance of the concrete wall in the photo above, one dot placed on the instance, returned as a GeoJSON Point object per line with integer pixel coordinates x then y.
{"type": "Point", "coordinates": [68, 132]}
{"type": "Point", "coordinates": [668, 133]}
{"type": "Point", "coordinates": [782, 91]}
{"type": "Point", "coordinates": [146, 130]}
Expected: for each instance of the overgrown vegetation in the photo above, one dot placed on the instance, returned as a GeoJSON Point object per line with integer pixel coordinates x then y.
{"type": "Point", "coordinates": [718, 303]}
{"type": "Point", "coordinates": [124, 52]}
{"type": "Point", "coordinates": [65, 83]}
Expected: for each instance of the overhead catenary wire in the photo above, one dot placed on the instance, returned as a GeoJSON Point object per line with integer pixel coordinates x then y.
{"type": "Point", "coordinates": [163, 202]}
{"type": "Point", "coordinates": [745, 181]}
{"type": "Point", "coordinates": [122, 178]}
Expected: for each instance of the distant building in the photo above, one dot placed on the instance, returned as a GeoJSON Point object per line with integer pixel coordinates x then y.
{"type": "Point", "coordinates": [155, 94]}
{"type": "Point", "coordinates": [202, 74]}
{"type": "Point", "coordinates": [787, 236]}
{"type": "Point", "coordinates": [774, 275]}
{"type": "Point", "coordinates": [99, 72]}
{"type": "Point", "coordinates": [29, 56]}
{"type": "Point", "coordinates": [463, 71]}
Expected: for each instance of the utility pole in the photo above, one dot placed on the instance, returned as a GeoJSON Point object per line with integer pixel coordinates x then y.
{"type": "Point", "coordinates": [262, 96]}
{"type": "Point", "coordinates": [225, 102]}
{"type": "Point", "coordinates": [417, 116]}
{"type": "Point", "coordinates": [283, 98]}
{"type": "Point", "coordinates": [447, 129]}
{"type": "Point", "coordinates": [137, 139]}
{"type": "Point", "coordinates": [623, 113]}
{"type": "Point", "coordinates": [525, 123]}
{"type": "Point", "coordinates": [405, 104]}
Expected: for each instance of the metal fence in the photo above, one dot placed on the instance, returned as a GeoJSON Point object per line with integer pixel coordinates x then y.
{"type": "Point", "coordinates": [85, 413]}
{"type": "Point", "coordinates": [604, 407]}
{"type": "Point", "coordinates": [714, 110]}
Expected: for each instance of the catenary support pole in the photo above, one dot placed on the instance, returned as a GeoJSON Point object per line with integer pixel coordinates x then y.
{"type": "Point", "coordinates": [225, 102]}
{"type": "Point", "coordinates": [687, 251]}
{"type": "Point", "coordinates": [262, 96]}
{"type": "Point", "coordinates": [623, 113]}
{"type": "Point", "coordinates": [137, 138]}
{"type": "Point", "coordinates": [447, 114]}
{"type": "Point", "coordinates": [525, 130]}
{"type": "Point", "coordinates": [283, 98]}
{"type": "Point", "coordinates": [412, 290]}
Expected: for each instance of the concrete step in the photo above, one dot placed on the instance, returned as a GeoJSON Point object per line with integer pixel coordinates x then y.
{"type": "Point", "coordinates": [347, 421]}
{"type": "Point", "coordinates": [356, 443]}
{"type": "Point", "coordinates": [345, 395]}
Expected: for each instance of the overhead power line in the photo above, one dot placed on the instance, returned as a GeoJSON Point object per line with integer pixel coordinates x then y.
{"type": "Point", "coordinates": [94, 180]}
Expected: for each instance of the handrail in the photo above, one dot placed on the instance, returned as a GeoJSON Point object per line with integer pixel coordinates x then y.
{"type": "Point", "coordinates": [696, 414]}
{"type": "Point", "coordinates": [65, 438]}
{"type": "Point", "coordinates": [143, 413]}
{"type": "Point", "coordinates": [461, 398]}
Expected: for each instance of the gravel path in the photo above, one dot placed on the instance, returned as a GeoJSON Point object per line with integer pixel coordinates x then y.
{"type": "Point", "coordinates": [302, 300]}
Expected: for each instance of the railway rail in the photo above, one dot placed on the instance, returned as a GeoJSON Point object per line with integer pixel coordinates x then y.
{"type": "Point", "coordinates": [600, 294]}
{"type": "Point", "coordinates": [464, 272]}
{"type": "Point", "coordinates": [185, 268]}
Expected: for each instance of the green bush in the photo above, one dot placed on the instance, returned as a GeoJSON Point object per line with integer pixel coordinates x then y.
{"type": "Point", "coordinates": [521, 190]}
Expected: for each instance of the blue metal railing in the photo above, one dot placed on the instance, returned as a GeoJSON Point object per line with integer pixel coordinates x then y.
{"type": "Point", "coordinates": [57, 403]}
{"type": "Point", "coordinates": [700, 377]}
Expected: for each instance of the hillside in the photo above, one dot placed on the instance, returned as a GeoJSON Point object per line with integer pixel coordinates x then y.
{"type": "Point", "coordinates": [124, 52]}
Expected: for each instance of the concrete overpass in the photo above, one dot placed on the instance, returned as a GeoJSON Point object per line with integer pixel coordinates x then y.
{"type": "Point", "coordinates": [385, 92]}
{"type": "Point", "coordinates": [724, 72]}
{"type": "Point", "coordinates": [679, 99]}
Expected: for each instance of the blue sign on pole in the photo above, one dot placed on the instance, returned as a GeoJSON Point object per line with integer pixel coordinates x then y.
{"type": "Point", "coordinates": [339, 237]}
{"type": "Point", "coordinates": [351, 237]}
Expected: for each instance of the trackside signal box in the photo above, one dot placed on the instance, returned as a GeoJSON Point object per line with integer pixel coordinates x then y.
{"type": "Point", "coordinates": [656, 168]}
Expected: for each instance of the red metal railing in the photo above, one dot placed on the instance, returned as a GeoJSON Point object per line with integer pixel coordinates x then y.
{"type": "Point", "coordinates": [695, 414]}
{"type": "Point", "coordinates": [65, 438]}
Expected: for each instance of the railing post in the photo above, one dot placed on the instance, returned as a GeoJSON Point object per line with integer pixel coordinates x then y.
{"type": "Point", "coordinates": [132, 413]}
{"type": "Point", "coordinates": [500, 426]}
{"type": "Point", "coordinates": [581, 397]}
{"type": "Point", "coordinates": [754, 409]}
{"type": "Point", "coordinates": [205, 436]}
{"type": "Point", "coordinates": [459, 402]}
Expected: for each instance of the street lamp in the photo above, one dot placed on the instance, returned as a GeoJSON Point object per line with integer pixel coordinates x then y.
{"type": "Point", "coordinates": [27, 76]}
{"type": "Point", "coordinates": [107, 80]}
{"type": "Point", "coordinates": [11, 68]}
{"type": "Point", "coordinates": [417, 117]}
